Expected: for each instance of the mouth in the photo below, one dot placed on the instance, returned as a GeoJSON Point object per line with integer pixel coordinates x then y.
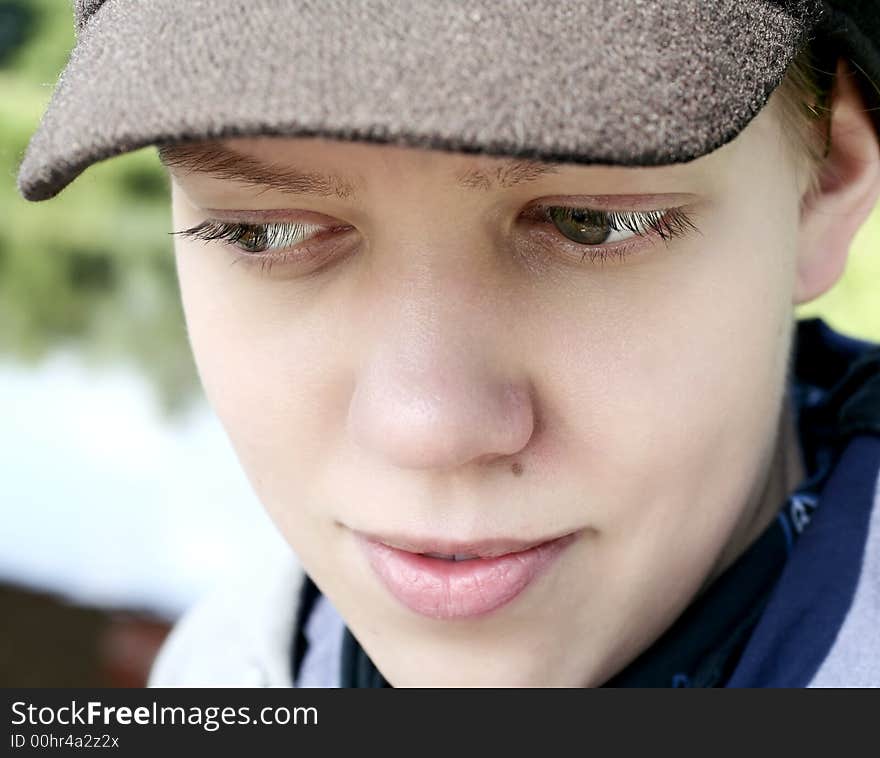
{"type": "Point", "coordinates": [442, 579]}
{"type": "Point", "coordinates": [447, 549]}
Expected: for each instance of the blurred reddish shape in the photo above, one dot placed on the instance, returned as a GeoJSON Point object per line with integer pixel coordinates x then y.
{"type": "Point", "coordinates": [48, 641]}
{"type": "Point", "coordinates": [127, 647]}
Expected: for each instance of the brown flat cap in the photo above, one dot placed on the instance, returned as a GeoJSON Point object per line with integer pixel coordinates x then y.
{"type": "Point", "coordinates": [619, 82]}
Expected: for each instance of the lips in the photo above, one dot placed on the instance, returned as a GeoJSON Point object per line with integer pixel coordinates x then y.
{"type": "Point", "coordinates": [488, 548]}
{"type": "Point", "coordinates": [453, 557]}
{"type": "Point", "coordinates": [444, 580]}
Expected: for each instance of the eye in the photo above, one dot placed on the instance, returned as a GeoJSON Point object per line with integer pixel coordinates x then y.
{"type": "Point", "coordinates": [588, 226]}
{"type": "Point", "coordinates": [593, 227]}
{"type": "Point", "coordinates": [605, 235]}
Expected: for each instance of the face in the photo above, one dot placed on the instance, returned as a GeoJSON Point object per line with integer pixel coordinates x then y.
{"type": "Point", "coordinates": [447, 356]}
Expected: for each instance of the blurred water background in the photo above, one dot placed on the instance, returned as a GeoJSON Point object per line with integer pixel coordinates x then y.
{"type": "Point", "coordinates": [120, 497]}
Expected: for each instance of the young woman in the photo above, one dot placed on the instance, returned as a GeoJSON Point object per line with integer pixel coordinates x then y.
{"type": "Point", "coordinates": [496, 306]}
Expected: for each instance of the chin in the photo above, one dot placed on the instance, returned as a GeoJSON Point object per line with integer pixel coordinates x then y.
{"type": "Point", "coordinates": [461, 660]}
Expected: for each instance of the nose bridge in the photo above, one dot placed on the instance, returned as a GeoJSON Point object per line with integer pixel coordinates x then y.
{"type": "Point", "coordinates": [437, 275]}
{"type": "Point", "coordinates": [438, 385]}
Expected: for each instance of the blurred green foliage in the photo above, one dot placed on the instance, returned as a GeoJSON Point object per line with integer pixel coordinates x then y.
{"type": "Point", "coordinates": [94, 266]}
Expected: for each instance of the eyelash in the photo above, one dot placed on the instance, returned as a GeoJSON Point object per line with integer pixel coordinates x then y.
{"type": "Point", "coordinates": [288, 233]}
{"type": "Point", "coordinates": [663, 224]}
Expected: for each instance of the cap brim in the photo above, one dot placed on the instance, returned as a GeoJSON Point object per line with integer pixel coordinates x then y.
{"type": "Point", "coordinates": [613, 82]}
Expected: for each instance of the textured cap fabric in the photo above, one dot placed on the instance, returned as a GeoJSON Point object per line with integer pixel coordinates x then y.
{"type": "Point", "coordinates": [616, 82]}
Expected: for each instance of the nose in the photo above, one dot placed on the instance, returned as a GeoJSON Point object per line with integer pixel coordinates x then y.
{"type": "Point", "coordinates": [439, 417]}
{"type": "Point", "coordinates": [436, 392]}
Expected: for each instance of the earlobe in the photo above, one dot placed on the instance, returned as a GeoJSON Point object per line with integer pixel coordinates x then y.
{"type": "Point", "coordinates": [846, 192]}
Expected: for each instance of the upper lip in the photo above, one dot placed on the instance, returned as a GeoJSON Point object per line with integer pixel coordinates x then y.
{"type": "Point", "coordinates": [485, 548]}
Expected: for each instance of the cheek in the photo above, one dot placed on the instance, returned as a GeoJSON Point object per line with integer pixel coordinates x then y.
{"type": "Point", "coordinates": [264, 363]}
{"type": "Point", "coordinates": [675, 394]}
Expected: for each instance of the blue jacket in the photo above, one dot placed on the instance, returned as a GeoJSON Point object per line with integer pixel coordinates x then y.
{"type": "Point", "coordinates": [817, 623]}
{"type": "Point", "coordinates": [821, 626]}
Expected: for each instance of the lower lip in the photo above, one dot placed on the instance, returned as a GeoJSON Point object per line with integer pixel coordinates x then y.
{"type": "Point", "coordinates": [445, 589]}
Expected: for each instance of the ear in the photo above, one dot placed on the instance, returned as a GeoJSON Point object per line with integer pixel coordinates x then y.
{"type": "Point", "coordinates": [846, 193]}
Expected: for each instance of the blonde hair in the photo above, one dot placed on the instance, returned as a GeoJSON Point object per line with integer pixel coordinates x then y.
{"type": "Point", "coordinates": [804, 106]}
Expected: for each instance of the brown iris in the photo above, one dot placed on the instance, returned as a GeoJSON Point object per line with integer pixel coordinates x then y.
{"type": "Point", "coordinates": [254, 239]}
{"type": "Point", "coordinates": [588, 227]}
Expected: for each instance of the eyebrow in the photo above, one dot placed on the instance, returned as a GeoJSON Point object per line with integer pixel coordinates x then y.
{"type": "Point", "coordinates": [221, 162]}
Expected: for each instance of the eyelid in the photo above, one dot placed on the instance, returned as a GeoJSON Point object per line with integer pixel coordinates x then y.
{"type": "Point", "coordinates": [540, 210]}
{"type": "Point", "coordinates": [636, 203]}
{"type": "Point", "coordinates": [277, 216]}
{"type": "Point", "coordinates": [644, 202]}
